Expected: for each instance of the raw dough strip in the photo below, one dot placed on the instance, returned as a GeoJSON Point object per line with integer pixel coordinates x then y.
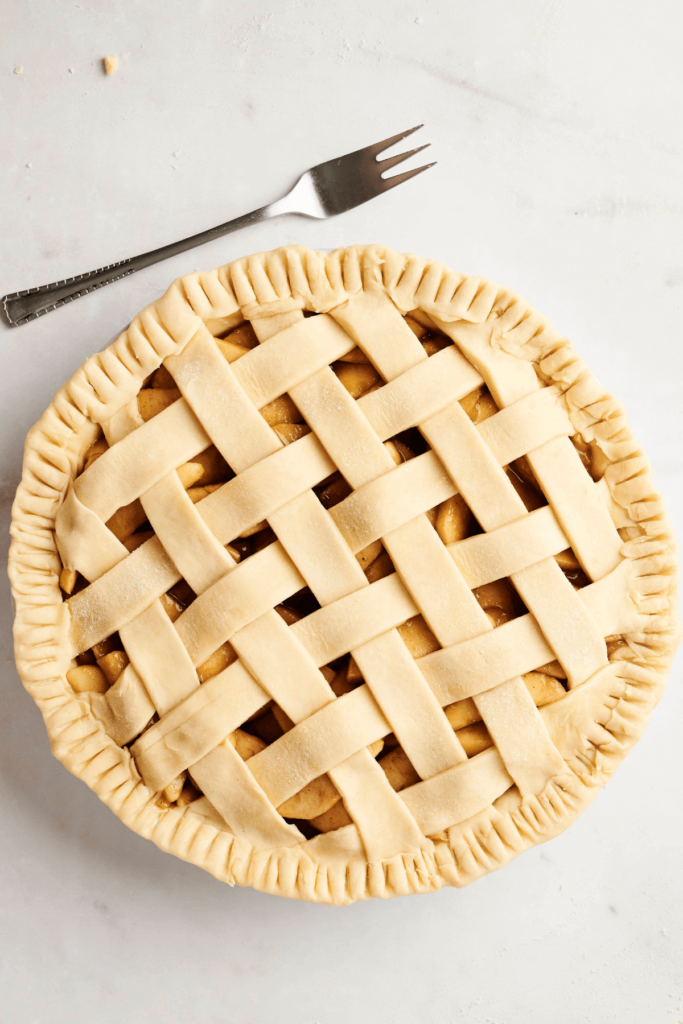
{"type": "Point", "coordinates": [231, 788]}
{"type": "Point", "coordinates": [450, 609]}
{"type": "Point", "coordinates": [312, 540]}
{"type": "Point", "coordinates": [392, 500]}
{"type": "Point", "coordinates": [458, 794]}
{"type": "Point", "coordinates": [209, 384]}
{"type": "Point", "coordinates": [261, 490]}
{"type": "Point", "coordinates": [84, 542]}
{"type": "Point", "coordinates": [294, 353]}
{"type": "Point", "coordinates": [160, 657]}
{"type": "Point", "coordinates": [374, 323]}
{"type": "Point", "coordinates": [571, 493]}
{"type": "Point", "coordinates": [198, 724]}
{"type": "Point", "coordinates": [429, 386]}
{"type": "Point", "coordinates": [197, 553]}
{"type": "Point", "coordinates": [354, 620]}
{"type": "Point", "coordinates": [486, 557]}
{"type": "Point", "coordinates": [409, 705]}
{"type": "Point", "coordinates": [252, 588]}
{"type": "Point", "coordinates": [125, 709]}
{"type": "Point", "coordinates": [120, 595]}
{"type": "Point", "coordinates": [136, 462]}
{"type": "Point", "coordinates": [347, 436]}
{"type": "Point", "coordinates": [318, 744]}
{"type": "Point", "coordinates": [520, 428]}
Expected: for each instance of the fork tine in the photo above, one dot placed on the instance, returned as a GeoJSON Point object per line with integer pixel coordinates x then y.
{"type": "Point", "coordinates": [398, 179]}
{"type": "Point", "coordinates": [380, 146]}
{"type": "Point", "coordinates": [391, 161]}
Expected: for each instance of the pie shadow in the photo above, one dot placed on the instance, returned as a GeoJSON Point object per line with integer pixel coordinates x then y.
{"type": "Point", "coordinates": [61, 820]}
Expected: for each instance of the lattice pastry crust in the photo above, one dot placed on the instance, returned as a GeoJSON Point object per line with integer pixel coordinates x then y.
{"type": "Point", "coordinates": [353, 445]}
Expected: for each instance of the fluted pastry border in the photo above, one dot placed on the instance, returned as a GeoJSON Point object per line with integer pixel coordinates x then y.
{"type": "Point", "coordinates": [608, 714]}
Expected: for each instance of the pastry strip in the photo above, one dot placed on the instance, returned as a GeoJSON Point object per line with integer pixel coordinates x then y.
{"type": "Point", "coordinates": [252, 588]}
{"type": "Point", "coordinates": [83, 540]}
{"type": "Point", "coordinates": [319, 743]}
{"type": "Point", "coordinates": [429, 386]}
{"type": "Point", "coordinates": [240, 800]}
{"type": "Point", "coordinates": [197, 553]}
{"type": "Point", "coordinates": [353, 620]}
{"type": "Point", "coordinates": [493, 556]}
{"type": "Point", "coordinates": [409, 705]}
{"type": "Point", "coordinates": [256, 493]}
{"type": "Point", "coordinates": [208, 383]}
{"type": "Point", "coordinates": [125, 709]}
{"type": "Point", "coordinates": [577, 505]}
{"type": "Point", "coordinates": [140, 578]}
{"type": "Point", "coordinates": [294, 355]}
{"type": "Point", "coordinates": [459, 793]}
{"type": "Point", "coordinates": [390, 501]}
{"type": "Point", "coordinates": [136, 462]}
{"type": "Point", "coordinates": [197, 725]}
{"type": "Point", "coordinates": [374, 323]}
{"type": "Point", "coordinates": [160, 657]}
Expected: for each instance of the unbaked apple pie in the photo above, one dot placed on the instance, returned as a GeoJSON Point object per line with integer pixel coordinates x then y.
{"type": "Point", "coordinates": [340, 576]}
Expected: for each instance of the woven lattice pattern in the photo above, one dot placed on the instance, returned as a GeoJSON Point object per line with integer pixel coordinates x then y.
{"type": "Point", "coordinates": [218, 404]}
{"type": "Point", "coordinates": [365, 587]}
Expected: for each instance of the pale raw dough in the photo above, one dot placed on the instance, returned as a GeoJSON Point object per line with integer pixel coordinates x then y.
{"type": "Point", "coordinates": [544, 765]}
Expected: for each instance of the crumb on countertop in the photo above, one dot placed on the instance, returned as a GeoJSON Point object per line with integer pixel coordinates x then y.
{"type": "Point", "coordinates": [111, 64]}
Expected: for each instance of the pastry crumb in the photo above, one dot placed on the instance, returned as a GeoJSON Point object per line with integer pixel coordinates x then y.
{"type": "Point", "coordinates": [111, 64]}
{"type": "Point", "coordinates": [19, 70]}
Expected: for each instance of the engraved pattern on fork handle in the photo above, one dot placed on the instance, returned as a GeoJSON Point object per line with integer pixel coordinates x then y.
{"type": "Point", "coordinates": [20, 307]}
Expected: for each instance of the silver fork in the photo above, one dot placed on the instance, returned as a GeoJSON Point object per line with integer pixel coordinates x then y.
{"type": "Point", "coordinates": [323, 191]}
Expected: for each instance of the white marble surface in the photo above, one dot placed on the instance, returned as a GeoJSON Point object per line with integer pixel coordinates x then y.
{"type": "Point", "coordinates": [558, 134]}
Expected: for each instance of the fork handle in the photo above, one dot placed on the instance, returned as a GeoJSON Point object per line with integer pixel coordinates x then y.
{"type": "Point", "coordinates": [20, 307]}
